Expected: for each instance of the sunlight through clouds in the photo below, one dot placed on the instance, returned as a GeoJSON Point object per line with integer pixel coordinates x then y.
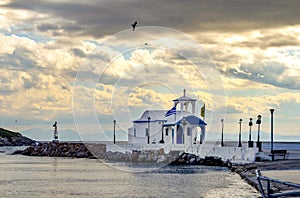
{"type": "Point", "coordinates": [43, 46]}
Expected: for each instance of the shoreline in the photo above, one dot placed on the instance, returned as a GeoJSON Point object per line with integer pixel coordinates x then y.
{"type": "Point", "coordinates": [247, 172]}
{"type": "Point", "coordinates": [90, 151]}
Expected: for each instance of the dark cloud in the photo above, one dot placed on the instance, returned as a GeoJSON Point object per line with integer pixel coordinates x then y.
{"type": "Point", "coordinates": [267, 73]}
{"type": "Point", "coordinates": [78, 52]}
{"type": "Point", "coordinates": [270, 39]}
{"type": "Point", "coordinates": [47, 26]}
{"type": "Point", "coordinates": [98, 18]}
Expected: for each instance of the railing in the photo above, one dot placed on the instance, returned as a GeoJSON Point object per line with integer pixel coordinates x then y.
{"type": "Point", "coordinates": [269, 180]}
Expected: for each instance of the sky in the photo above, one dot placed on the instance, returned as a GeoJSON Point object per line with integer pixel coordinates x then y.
{"type": "Point", "coordinates": [80, 64]}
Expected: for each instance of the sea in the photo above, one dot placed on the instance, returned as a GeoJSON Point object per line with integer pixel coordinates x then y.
{"type": "Point", "coordinates": [25, 176]}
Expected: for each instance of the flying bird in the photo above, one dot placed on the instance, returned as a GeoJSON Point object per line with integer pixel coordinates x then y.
{"type": "Point", "coordinates": [134, 25]}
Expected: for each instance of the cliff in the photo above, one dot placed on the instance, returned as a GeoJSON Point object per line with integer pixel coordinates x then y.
{"type": "Point", "coordinates": [10, 138]}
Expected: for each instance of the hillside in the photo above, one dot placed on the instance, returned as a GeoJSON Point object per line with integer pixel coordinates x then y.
{"type": "Point", "coordinates": [10, 138]}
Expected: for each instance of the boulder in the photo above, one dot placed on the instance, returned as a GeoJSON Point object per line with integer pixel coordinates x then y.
{"type": "Point", "coordinates": [161, 159]}
{"type": "Point", "coordinates": [81, 154]}
{"type": "Point", "coordinates": [135, 156]}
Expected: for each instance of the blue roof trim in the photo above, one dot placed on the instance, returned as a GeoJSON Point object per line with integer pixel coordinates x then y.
{"type": "Point", "coordinates": [190, 119]}
{"type": "Point", "coordinates": [195, 120]}
{"type": "Point", "coordinates": [170, 124]}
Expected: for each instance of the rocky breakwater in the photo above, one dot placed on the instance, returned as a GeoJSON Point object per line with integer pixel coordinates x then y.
{"type": "Point", "coordinates": [98, 151]}
{"type": "Point", "coordinates": [76, 150]}
{"type": "Point", "coordinates": [10, 138]}
{"type": "Point", "coordinates": [147, 156]}
{"type": "Point", "coordinates": [192, 159]}
{"type": "Point", "coordinates": [160, 157]}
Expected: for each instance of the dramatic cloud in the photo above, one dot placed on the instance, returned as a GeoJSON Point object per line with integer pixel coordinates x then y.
{"type": "Point", "coordinates": [43, 45]}
{"type": "Point", "coordinates": [99, 18]}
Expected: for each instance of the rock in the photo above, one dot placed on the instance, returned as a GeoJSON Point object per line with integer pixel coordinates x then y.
{"type": "Point", "coordinates": [134, 156]}
{"type": "Point", "coordinates": [161, 159]}
{"type": "Point", "coordinates": [17, 152]}
{"type": "Point", "coordinates": [97, 150]}
{"type": "Point", "coordinates": [115, 156]}
{"type": "Point", "coordinates": [192, 161]}
{"type": "Point", "coordinates": [142, 157]}
{"type": "Point", "coordinates": [213, 161]}
{"type": "Point", "coordinates": [152, 156]}
{"type": "Point", "coordinates": [161, 151]}
{"type": "Point", "coordinates": [81, 154]}
{"type": "Point", "coordinates": [239, 169]}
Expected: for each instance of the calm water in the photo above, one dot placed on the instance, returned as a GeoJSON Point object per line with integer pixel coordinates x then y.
{"type": "Point", "coordinates": [22, 176]}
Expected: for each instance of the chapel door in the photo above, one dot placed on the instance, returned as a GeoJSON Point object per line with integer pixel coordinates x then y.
{"type": "Point", "coordinates": [179, 135]}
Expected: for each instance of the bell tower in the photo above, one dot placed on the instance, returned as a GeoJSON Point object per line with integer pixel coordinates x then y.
{"type": "Point", "coordinates": [185, 102]}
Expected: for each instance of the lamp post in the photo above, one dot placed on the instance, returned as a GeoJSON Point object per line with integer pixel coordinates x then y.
{"type": "Point", "coordinates": [162, 133]}
{"type": "Point", "coordinates": [114, 131]}
{"type": "Point", "coordinates": [258, 143]}
{"type": "Point", "coordinates": [183, 128]}
{"type": "Point", "coordinates": [250, 142]}
{"type": "Point", "coordinates": [272, 111]}
{"type": "Point", "coordinates": [148, 134]}
{"type": "Point", "coordinates": [222, 137]}
{"type": "Point", "coordinates": [240, 134]}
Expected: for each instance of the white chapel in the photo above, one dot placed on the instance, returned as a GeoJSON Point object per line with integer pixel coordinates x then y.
{"type": "Point", "coordinates": [179, 125]}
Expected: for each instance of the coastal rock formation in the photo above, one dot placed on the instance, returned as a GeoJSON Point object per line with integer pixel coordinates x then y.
{"type": "Point", "coordinates": [9, 138]}
{"type": "Point", "coordinates": [54, 149]}
{"type": "Point", "coordinates": [98, 151]}
{"type": "Point", "coordinates": [192, 159]}
{"type": "Point", "coordinates": [149, 156]}
{"type": "Point", "coordinates": [158, 156]}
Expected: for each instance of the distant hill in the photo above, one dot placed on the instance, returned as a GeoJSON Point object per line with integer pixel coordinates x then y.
{"type": "Point", "coordinates": [10, 138]}
{"type": "Point", "coordinates": [70, 135]}
{"type": "Point", "coordinates": [40, 134]}
{"type": "Point", "coordinates": [47, 135]}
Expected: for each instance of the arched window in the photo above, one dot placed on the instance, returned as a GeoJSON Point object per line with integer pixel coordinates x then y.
{"type": "Point", "coordinates": [189, 131]}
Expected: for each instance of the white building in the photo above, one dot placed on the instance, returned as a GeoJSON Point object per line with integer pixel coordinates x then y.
{"type": "Point", "coordinates": [182, 127]}
{"type": "Point", "coordinates": [183, 131]}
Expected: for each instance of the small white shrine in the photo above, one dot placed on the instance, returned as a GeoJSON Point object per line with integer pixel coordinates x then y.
{"type": "Point", "coordinates": [178, 129]}
{"type": "Point", "coordinates": [178, 125]}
